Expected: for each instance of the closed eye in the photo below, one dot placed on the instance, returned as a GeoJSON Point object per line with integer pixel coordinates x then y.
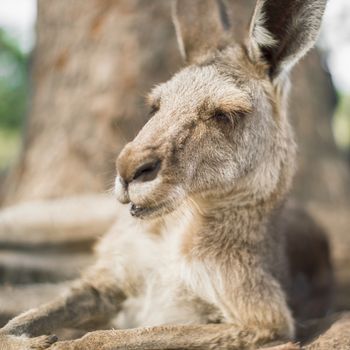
{"type": "Point", "coordinates": [231, 117]}
{"type": "Point", "coordinates": [153, 110]}
{"type": "Point", "coordinates": [221, 116]}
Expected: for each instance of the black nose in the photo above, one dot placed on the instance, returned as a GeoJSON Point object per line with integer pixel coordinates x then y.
{"type": "Point", "coordinates": [147, 171]}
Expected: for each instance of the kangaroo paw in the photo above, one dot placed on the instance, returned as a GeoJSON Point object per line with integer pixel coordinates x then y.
{"type": "Point", "coordinates": [42, 342]}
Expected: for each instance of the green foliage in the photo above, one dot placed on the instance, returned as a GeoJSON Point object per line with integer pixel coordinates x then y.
{"type": "Point", "coordinates": [13, 83]}
{"type": "Point", "coordinates": [10, 141]}
{"type": "Point", "coordinates": [342, 123]}
{"type": "Point", "coordinates": [13, 97]}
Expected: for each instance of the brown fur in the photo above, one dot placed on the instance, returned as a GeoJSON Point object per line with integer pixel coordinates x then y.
{"type": "Point", "coordinates": [208, 267]}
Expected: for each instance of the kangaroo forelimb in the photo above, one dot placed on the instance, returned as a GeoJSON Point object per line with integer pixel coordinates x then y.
{"type": "Point", "coordinates": [174, 337]}
{"type": "Point", "coordinates": [86, 301]}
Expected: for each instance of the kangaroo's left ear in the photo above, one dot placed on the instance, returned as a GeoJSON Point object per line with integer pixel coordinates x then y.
{"type": "Point", "coordinates": [201, 26]}
{"type": "Point", "coordinates": [282, 31]}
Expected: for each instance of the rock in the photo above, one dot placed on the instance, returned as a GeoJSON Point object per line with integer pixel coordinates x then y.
{"type": "Point", "coordinates": [333, 333]}
{"type": "Point", "coordinates": [69, 222]}
{"type": "Point", "coordinates": [18, 267]}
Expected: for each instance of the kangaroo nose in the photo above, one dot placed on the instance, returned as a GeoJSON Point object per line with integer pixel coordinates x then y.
{"type": "Point", "coordinates": [147, 171]}
{"type": "Point", "coordinates": [137, 165]}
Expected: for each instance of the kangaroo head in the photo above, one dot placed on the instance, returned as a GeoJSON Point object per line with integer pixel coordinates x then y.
{"type": "Point", "coordinates": [220, 123]}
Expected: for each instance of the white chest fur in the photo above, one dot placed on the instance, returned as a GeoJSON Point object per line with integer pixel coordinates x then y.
{"type": "Point", "coordinates": [162, 287]}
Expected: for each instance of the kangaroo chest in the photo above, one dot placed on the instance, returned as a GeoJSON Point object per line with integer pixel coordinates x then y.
{"type": "Point", "coordinates": [160, 281]}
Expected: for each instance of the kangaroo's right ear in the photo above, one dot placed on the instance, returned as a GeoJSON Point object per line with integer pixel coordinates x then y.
{"type": "Point", "coordinates": [282, 31]}
{"type": "Point", "coordinates": [201, 26]}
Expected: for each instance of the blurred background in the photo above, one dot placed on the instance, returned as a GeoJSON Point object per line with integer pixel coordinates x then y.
{"type": "Point", "coordinates": [73, 76]}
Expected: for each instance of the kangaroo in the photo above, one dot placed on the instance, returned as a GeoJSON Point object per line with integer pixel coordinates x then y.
{"type": "Point", "coordinates": [203, 257]}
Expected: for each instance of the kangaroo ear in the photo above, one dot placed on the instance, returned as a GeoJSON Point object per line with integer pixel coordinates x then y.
{"type": "Point", "coordinates": [201, 26]}
{"type": "Point", "coordinates": [282, 31]}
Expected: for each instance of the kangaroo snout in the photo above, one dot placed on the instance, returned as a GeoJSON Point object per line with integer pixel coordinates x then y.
{"type": "Point", "coordinates": [147, 171]}
{"type": "Point", "coordinates": [137, 165]}
{"type": "Point", "coordinates": [147, 179]}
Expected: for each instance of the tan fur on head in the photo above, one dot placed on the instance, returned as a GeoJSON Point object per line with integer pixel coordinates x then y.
{"type": "Point", "coordinates": [215, 127]}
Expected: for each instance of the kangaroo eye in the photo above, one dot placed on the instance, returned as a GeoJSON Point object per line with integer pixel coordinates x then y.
{"type": "Point", "coordinates": [153, 110]}
{"type": "Point", "coordinates": [221, 116]}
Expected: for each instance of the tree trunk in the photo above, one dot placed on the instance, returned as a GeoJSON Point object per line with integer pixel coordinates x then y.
{"type": "Point", "coordinates": [93, 63]}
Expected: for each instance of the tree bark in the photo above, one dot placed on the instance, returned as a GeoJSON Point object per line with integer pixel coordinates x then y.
{"type": "Point", "coordinates": [93, 63]}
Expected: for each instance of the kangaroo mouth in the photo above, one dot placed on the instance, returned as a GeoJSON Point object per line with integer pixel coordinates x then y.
{"type": "Point", "coordinates": [144, 212]}
{"type": "Point", "coordinates": [153, 207]}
